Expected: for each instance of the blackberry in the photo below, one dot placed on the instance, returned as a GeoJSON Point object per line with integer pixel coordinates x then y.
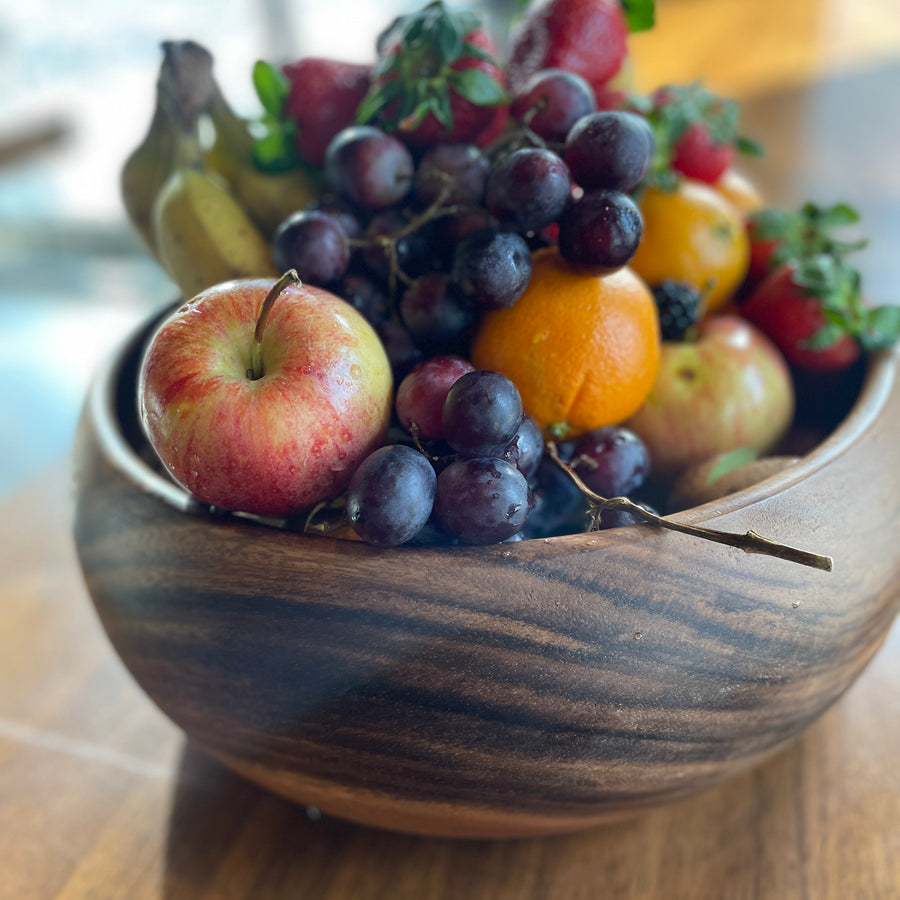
{"type": "Point", "coordinates": [679, 307]}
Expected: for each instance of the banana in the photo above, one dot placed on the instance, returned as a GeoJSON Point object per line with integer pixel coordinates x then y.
{"type": "Point", "coordinates": [184, 88]}
{"type": "Point", "coordinates": [202, 232]}
{"type": "Point", "coordinates": [147, 167]}
{"type": "Point", "coordinates": [268, 197]}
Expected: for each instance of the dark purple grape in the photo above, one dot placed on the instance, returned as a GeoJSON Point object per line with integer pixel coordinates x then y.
{"type": "Point", "coordinates": [528, 189]}
{"type": "Point", "coordinates": [369, 166]}
{"type": "Point", "coordinates": [366, 296]}
{"type": "Point", "coordinates": [438, 317]}
{"type": "Point", "coordinates": [459, 171]}
{"type": "Point", "coordinates": [482, 501]}
{"type": "Point", "coordinates": [313, 243]}
{"type": "Point", "coordinates": [552, 101]}
{"type": "Point", "coordinates": [421, 394]}
{"type": "Point", "coordinates": [482, 413]}
{"type": "Point", "coordinates": [610, 149]}
{"type": "Point", "coordinates": [391, 495]}
{"type": "Point", "coordinates": [612, 461]}
{"type": "Point", "coordinates": [601, 229]}
{"type": "Point", "coordinates": [559, 507]}
{"type": "Point", "coordinates": [526, 450]}
{"type": "Point", "coordinates": [342, 211]}
{"type": "Point", "coordinates": [492, 267]}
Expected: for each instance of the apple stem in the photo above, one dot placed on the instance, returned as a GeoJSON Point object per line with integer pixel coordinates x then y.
{"type": "Point", "coordinates": [257, 369]}
{"type": "Point", "coordinates": [751, 542]}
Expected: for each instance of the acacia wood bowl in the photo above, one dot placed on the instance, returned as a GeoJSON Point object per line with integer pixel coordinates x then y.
{"type": "Point", "coordinates": [520, 689]}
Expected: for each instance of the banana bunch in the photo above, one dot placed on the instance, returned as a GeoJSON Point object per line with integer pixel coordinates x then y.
{"type": "Point", "coordinates": [207, 215]}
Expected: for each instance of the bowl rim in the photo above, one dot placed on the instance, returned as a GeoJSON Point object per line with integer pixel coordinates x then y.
{"type": "Point", "coordinates": [101, 408]}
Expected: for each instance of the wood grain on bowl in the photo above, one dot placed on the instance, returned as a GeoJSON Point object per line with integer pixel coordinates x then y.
{"type": "Point", "coordinates": [525, 688]}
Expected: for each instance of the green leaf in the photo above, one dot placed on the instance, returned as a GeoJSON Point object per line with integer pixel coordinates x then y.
{"type": "Point", "coordinates": [376, 100]}
{"type": "Point", "coordinates": [473, 51]}
{"type": "Point", "coordinates": [825, 337]}
{"type": "Point", "coordinates": [749, 147]}
{"type": "Point", "coordinates": [272, 87]}
{"type": "Point", "coordinates": [830, 217]}
{"type": "Point", "coordinates": [639, 14]}
{"type": "Point", "coordinates": [275, 151]}
{"type": "Point", "coordinates": [477, 87]}
{"type": "Point", "coordinates": [727, 462]}
{"type": "Point", "coordinates": [447, 38]}
{"type": "Point", "coordinates": [882, 328]}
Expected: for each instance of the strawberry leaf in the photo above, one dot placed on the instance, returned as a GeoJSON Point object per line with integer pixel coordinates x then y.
{"type": "Point", "coordinates": [418, 73]}
{"type": "Point", "coordinates": [639, 14]}
{"type": "Point", "coordinates": [838, 286]}
{"type": "Point", "coordinates": [477, 87]}
{"type": "Point", "coordinates": [275, 150]}
{"type": "Point", "coordinates": [828, 335]}
{"type": "Point", "coordinates": [806, 231]}
{"type": "Point", "coordinates": [881, 328]}
{"type": "Point", "coordinates": [271, 87]}
{"type": "Point", "coordinates": [749, 147]}
{"type": "Point", "coordinates": [377, 99]}
{"type": "Point", "coordinates": [673, 109]}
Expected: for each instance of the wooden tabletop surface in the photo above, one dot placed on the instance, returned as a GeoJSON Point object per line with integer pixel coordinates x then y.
{"type": "Point", "coordinates": [102, 798]}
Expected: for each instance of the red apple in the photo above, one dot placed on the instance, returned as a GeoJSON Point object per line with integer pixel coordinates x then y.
{"type": "Point", "coordinates": [728, 388]}
{"type": "Point", "coordinates": [264, 397]}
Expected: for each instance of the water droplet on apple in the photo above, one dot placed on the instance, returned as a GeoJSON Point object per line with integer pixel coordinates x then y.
{"type": "Point", "coordinates": [355, 372]}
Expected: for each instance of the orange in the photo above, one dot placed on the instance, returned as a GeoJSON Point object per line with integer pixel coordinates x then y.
{"type": "Point", "coordinates": [582, 348]}
{"type": "Point", "coordinates": [739, 191]}
{"type": "Point", "coordinates": [693, 234]}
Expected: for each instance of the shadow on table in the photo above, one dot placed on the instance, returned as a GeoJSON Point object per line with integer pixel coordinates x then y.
{"type": "Point", "coordinates": [228, 837]}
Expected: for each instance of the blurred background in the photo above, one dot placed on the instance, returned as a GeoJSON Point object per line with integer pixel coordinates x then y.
{"type": "Point", "coordinates": [76, 95]}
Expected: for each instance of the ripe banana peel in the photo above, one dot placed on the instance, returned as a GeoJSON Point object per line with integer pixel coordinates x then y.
{"type": "Point", "coordinates": [203, 234]}
{"type": "Point", "coordinates": [184, 88]}
{"type": "Point", "coordinates": [268, 197]}
{"type": "Point", "coordinates": [146, 169]}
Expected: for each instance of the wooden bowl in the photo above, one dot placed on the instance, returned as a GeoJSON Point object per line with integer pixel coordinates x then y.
{"type": "Point", "coordinates": [518, 689]}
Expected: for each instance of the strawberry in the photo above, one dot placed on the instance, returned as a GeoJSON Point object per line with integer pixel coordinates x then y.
{"type": "Point", "coordinates": [306, 103]}
{"type": "Point", "coordinates": [437, 80]}
{"type": "Point", "coordinates": [812, 310]}
{"type": "Point", "coordinates": [587, 37]}
{"type": "Point", "coordinates": [696, 133]}
{"type": "Point", "coordinates": [322, 99]}
{"type": "Point", "coordinates": [777, 236]}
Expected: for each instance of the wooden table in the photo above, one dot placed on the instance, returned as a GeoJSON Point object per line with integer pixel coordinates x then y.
{"type": "Point", "coordinates": [102, 798]}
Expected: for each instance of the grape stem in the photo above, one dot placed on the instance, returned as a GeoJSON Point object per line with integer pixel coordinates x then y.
{"type": "Point", "coordinates": [257, 369]}
{"type": "Point", "coordinates": [750, 542]}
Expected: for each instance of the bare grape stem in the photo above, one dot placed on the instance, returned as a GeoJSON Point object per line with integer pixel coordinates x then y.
{"type": "Point", "coordinates": [750, 542]}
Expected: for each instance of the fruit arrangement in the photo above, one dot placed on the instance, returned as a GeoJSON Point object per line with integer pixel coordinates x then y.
{"type": "Point", "coordinates": [453, 297]}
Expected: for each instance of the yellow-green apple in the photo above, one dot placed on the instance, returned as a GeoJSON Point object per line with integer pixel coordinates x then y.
{"type": "Point", "coordinates": [264, 396]}
{"type": "Point", "coordinates": [727, 388]}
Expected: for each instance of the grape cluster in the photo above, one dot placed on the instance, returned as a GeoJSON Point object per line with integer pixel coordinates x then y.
{"type": "Point", "coordinates": [483, 477]}
{"type": "Point", "coordinates": [423, 241]}
{"type": "Point", "coordinates": [476, 493]}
